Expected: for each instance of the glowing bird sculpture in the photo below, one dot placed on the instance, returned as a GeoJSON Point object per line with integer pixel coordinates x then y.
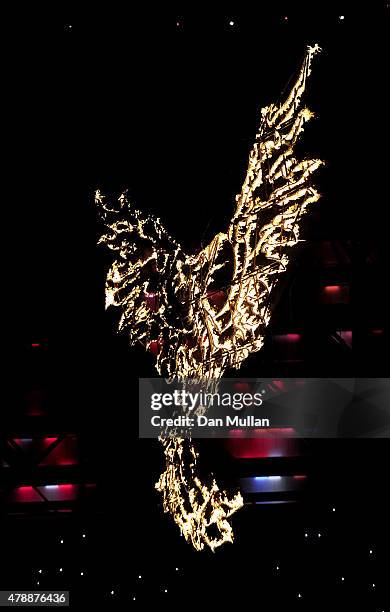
{"type": "Point", "coordinates": [202, 313]}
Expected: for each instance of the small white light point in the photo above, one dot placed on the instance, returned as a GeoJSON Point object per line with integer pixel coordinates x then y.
{"type": "Point", "coordinates": [231, 23]}
{"type": "Point", "coordinates": [333, 509]}
{"type": "Point", "coordinates": [299, 595]}
{"type": "Point", "coordinates": [60, 569]}
{"type": "Point", "coordinates": [277, 567]}
{"type": "Point", "coordinates": [112, 592]}
{"type": "Point", "coordinates": [371, 551]}
{"type": "Point", "coordinates": [319, 534]}
{"type": "Point", "coordinates": [81, 573]}
{"type": "Point", "coordinates": [342, 578]}
{"type": "Point", "coordinates": [38, 583]}
{"type": "Point", "coordinates": [84, 536]}
{"type": "Point", "coordinates": [373, 586]}
{"type": "Point", "coordinates": [177, 569]}
{"type": "Point", "coordinates": [139, 577]}
{"type": "Point", "coordinates": [40, 571]}
{"type": "Point", "coordinates": [165, 590]}
{"type": "Point", "coordinates": [341, 17]}
{"type": "Point", "coordinates": [61, 541]}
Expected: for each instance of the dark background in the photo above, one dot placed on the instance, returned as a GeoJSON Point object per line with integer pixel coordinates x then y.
{"type": "Point", "coordinates": [166, 105]}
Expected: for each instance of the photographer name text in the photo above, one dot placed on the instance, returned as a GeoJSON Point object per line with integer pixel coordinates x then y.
{"type": "Point", "coordinates": [204, 421]}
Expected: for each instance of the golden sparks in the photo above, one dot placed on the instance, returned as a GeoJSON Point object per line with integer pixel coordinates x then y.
{"type": "Point", "coordinates": [194, 506]}
{"type": "Point", "coordinates": [202, 313]}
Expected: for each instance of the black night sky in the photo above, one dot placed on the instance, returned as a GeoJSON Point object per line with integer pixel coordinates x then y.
{"type": "Point", "coordinates": [166, 104]}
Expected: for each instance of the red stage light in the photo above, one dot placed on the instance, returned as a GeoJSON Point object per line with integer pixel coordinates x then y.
{"type": "Point", "coordinates": [23, 442]}
{"type": "Point", "coordinates": [279, 384]}
{"type": "Point", "coordinates": [61, 492]}
{"type": "Point", "coordinates": [378, 332]}
{"type": "Point", "coordinates": [49, 441]}
{"type": "Point", "coordinates": [34, 400]}
{"type": "Point", "coordinates": [242, 386]}
{"type": "Point", "coordinates": [274, 442]}
{"type": "Point", "coordinates": [64, 453]}
{"type": "Point", "coordinates": [293, 337]}
{"type": "Point", "coordinates": [151, 300]}
{"type": "Point", "coordinates": [155, 346]}
{"type": "Point", "coordinates": [25, 494]}
{"type": "Point", "coordinates": [287, 337]}
{"type": "Point", "coordinates": [216, 298]}
{"type": "Point", "coordinates": [335, 294]}
{"type": "Point", "coordinates": [346, 336]}
{"type": "Point", "coordinates": [332, 288]}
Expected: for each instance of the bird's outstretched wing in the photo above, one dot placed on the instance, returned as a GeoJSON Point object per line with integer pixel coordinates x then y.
{"type": "Point", "coordinates": [233, 277]}
{"type": "Point", "coordinates": [139, 281]}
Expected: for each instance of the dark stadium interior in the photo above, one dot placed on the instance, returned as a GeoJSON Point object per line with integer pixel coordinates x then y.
{"type": "Point", "coordinates": [166, 105]}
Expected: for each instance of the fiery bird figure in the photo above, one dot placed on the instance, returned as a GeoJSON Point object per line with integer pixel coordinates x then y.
{"type": "Point", "coordinates": [168, 297]}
